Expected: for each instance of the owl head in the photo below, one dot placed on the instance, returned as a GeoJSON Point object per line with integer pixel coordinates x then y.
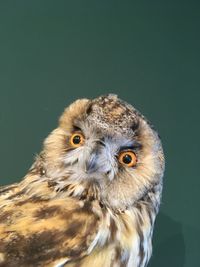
{"type": "Point", "coordinates": [107, 143]}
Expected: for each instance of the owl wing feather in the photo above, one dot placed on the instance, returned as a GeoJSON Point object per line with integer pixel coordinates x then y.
{"type": "Point", "coordinates": [44, 232]}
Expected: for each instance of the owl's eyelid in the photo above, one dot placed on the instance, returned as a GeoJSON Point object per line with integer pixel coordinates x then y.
{"type": "Point", "coordinates": [76, 129]}
{"type": "Point", "coordinates": [126, 148]}
{"type": "Point", "coordinates": [134, 147]}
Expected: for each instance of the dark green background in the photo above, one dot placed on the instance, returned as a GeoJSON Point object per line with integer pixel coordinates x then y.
{"type": "Point", "coordinates": [147, 52]}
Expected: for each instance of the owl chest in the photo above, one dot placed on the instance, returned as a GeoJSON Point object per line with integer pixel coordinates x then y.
{"type": "Point", "coordinates": [112, 256]}
{"type": "Point", "coordinates": [133, 243]}
{"type": "Point", "coordinates": [121, 243]}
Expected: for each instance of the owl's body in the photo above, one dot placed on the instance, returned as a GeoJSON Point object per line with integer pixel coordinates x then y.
{"type": "Point", "coordinates": [92, 195]}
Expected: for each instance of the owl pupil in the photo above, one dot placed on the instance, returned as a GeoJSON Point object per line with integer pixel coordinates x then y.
{"type": "Point", "coordinates": [76, 139]}
{"type": "Point", "coordinates": [127, 159]}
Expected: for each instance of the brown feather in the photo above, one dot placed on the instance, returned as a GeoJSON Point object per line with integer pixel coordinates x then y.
{"type": "Point", "coordinates": [37, 232]}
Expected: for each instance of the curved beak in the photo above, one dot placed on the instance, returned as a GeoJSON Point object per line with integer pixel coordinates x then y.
{"type": "Point", "coordinates": [91, 164]}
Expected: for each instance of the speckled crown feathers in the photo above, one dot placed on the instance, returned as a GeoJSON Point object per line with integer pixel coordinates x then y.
{"type": "Point", "coordinates": [111, 113]}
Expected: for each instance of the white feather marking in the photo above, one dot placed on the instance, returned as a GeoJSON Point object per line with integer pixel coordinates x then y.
{"type": "Point", "coordinates": [102, 235]}
{"type": "Point", "coordinates": [61, 263]}
{"type": "Point", "coordinates": [134, 254]}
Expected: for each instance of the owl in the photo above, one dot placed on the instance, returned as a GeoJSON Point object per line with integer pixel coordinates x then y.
{"type": "Point", "coordinates": [91, 197]}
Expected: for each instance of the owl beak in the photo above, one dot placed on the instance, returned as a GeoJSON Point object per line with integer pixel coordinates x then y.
{"type": "Point", "coordinates": [97, 164]}
{"type": "Point", "coordinates": [91, 164]}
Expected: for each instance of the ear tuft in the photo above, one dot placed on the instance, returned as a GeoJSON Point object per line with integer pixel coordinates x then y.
{"type": "Point", "coordinates": [76, 110]}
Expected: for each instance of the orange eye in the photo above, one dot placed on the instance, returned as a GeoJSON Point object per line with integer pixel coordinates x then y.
{"type": "Point", "coordinates": [77, 140]}
{"type": "Point", "coordinates": [128, 158]}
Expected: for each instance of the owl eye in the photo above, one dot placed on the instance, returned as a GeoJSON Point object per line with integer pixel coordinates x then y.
{"type": "Point", "coordinates": [127, 158]}
{"type": "Point", "coordinates": [77, 139]}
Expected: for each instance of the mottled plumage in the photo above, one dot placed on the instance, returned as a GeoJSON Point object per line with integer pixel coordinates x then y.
{"type": "Point", "coordinates": [79, 205]}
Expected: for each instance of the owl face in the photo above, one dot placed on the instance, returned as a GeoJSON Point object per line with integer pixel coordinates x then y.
{"type": "Point", "coordinates": [107, 142]}
{"type": "Point", "coordinates": [97, 155]}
